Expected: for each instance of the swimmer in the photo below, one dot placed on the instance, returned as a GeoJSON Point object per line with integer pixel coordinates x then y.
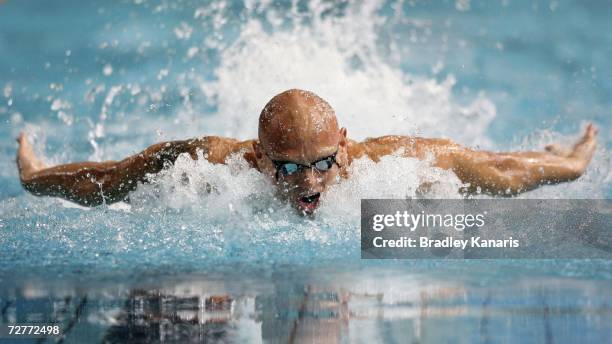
{"type": "Point", "coordinates": [303, 151]}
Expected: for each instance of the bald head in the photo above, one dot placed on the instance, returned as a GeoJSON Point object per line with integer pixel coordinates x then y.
{"type": "Point", "coordinates": [298, 123]}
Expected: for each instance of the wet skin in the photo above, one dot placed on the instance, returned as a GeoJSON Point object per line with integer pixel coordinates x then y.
{"type": "Point", "coordinates": [298, 126]}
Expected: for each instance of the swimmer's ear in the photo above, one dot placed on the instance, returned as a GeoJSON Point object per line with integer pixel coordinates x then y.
{"type": "Point", "coordinates": [263, 164]}
{"type": "Point", "coordinates": [343, 136]}
{"type": "Point", "coordinates": [343, 132]}
{"type": "Point", "coordinates": [342, 155]}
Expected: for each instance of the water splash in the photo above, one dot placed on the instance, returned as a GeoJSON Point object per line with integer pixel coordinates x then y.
{"type": "Point", "coordinates": [337, 57]}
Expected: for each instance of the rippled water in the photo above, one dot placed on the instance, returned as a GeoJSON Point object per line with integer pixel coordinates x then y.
{"type": "Point", "coordinates": [95, 81]}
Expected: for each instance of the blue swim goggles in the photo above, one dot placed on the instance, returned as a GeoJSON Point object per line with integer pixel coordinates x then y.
{"type": "Point", "coordinates": [288, 168]}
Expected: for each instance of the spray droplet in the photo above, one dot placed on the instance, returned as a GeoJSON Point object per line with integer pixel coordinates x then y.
{"type": "Point", "coordinates": [108, 70]}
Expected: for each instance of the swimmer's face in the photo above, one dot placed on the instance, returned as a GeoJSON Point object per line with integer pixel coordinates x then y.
{"type": "Point", "coordinates": [302, 175]}
{"type": "Point", "coordinates": [301, 147]}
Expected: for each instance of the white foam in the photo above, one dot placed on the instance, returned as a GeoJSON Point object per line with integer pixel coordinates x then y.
{"type": "Point", "coordinates": [216, 190]}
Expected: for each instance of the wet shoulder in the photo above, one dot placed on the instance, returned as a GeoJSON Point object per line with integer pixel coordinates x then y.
{"type": "Point", "coordinates": [408, 146]}
{"type": "Point", "coordinates": [376, 147]}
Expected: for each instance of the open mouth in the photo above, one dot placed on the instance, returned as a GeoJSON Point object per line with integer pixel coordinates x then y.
{"type": "Point", "coordinates": [310, 202]}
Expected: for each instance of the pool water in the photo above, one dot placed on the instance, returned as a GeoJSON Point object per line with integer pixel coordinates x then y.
{"type": "Point", "coordinates": [97, 81]}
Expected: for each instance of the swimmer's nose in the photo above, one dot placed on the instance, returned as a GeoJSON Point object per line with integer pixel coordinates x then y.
{"type": "Point", "coordinates": [311, 177]}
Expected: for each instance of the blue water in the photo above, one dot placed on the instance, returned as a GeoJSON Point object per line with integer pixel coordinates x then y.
{"type": "Point", "coordinates": [95, 81]}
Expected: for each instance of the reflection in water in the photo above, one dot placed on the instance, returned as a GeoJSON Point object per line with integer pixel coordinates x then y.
{"type": "Point", "coordinates": [383, 310]}
{"type": "Point", "coordinates": [158, 316]}
{"type": "Point", "coordinates": [152, 316]}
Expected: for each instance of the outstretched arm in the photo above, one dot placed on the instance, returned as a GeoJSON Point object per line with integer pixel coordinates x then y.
{"type": "Point", "coordinates": [94, 183]}
{"type": "Point", "coordinates": [495, 173]}
{"type": "Point", "coordinates": [516, 172]}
